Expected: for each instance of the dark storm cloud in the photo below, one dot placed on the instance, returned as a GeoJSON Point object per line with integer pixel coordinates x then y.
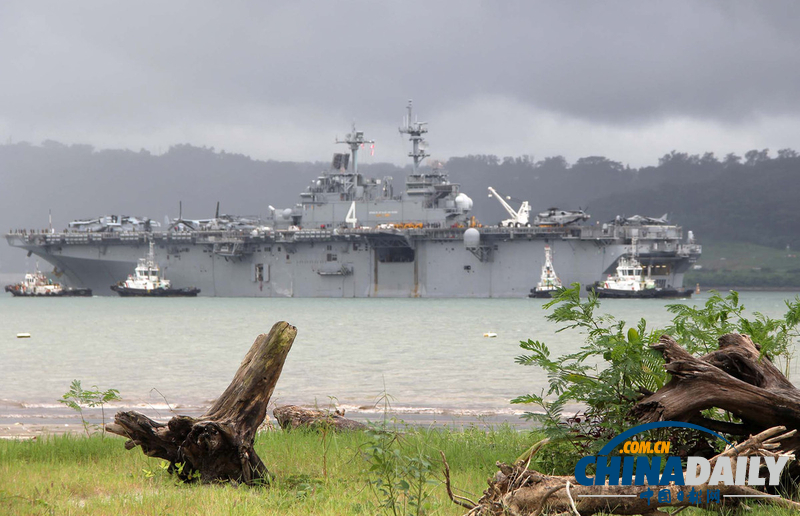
{"type": "Point", "coordinates": [155, 73]}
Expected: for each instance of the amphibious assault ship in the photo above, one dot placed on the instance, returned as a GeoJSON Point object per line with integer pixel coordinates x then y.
{"type": "Point", "coordinates": [353, 236]}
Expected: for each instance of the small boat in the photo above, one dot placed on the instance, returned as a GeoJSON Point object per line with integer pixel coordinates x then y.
{"type": "Point", "coordinates": [146, 281]}
{"type": "Point", "coordinates": [38, 285]}
{"type": "Point", "coordinates": [549, 282]}
{"type": "Point", "coordinates": [630, 283]}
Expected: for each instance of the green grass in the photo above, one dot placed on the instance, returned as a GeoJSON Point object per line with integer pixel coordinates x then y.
{"type": "Point", "coordinates": [80, 475]}
{"type": "Point", "coordinates": [743, 256]}
{"type": "Point", "coordinates": [741, 264]}
{"type": "Point", "coordinates": [73, 474]}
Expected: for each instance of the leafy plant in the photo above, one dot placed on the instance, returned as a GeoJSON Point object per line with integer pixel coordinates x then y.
{"type": "Point", "coordinates": [607, 392]}
{"type": "Point", "coordinates": [327, 433]}
{"type": "Point", "coordinates": [303, 485]}
{"type": "Point", "coordinates": [78, 398]}
{"type": "Point", "coordinates": [699, 328]}
{"type": "Point", "coordinates": [182, 478]}
{"type": "Point", "coordinates": [615, 366]}
{"type": "Point", "coordinates": [400, 477]}
{"type": "Point", "coordinates": [166, 469]}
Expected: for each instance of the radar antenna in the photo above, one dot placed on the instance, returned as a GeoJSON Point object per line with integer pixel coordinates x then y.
{"type": "Point", "coordinates": [415, 130]}
{"type": "Point", "coordinates": [354, 140]}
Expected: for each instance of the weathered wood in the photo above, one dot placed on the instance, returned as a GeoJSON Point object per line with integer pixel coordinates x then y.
{"type": "Point", "coordinates": [735, 378]}
{"type": "Point", "coordinates": [219, 444]}
{"type": "Point", "coordinates": [290, 417]}
{"type": "Point", "coordinates": [518, 491]}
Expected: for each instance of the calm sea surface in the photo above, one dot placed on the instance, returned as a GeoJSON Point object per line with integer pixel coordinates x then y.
{"type": "Point", "coordinates": [430, 356]}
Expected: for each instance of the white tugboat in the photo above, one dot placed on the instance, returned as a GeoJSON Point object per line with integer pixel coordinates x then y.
{"type": "Point", "coordinates": [147, 281]}
{"type": "Point", "coordinates": [630, 281]}
{"type": "Point", "coordinates": [38, 285]}
{"type": "Point", "coordinates": [549, 281]}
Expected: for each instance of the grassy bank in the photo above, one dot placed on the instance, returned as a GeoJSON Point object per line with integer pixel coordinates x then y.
{"type": "Point", "coordinates": [78, 475]}
{"type": "Point", "coordinates": [740, 264]}
{"type": "Point", "coordinates": [72, 474]}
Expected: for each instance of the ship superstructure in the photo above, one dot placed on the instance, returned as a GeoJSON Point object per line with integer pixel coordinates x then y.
{"type": "Point", "coordinates": [354, 236]}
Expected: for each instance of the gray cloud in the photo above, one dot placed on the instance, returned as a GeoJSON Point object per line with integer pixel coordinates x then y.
{"type": "Point", "coordinates": [630, 80]}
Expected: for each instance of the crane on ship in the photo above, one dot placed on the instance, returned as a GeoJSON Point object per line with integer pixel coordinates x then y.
{"type": "Point", "coordinates": [519, 217]}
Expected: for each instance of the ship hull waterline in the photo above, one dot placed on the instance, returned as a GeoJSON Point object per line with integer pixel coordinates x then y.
{"type": "Point", "coordinates": [158, 292]}
{"type": "Point", "coordinates": [439, 269]}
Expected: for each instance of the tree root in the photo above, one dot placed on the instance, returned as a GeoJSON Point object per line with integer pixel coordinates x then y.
{"type": "Point", "coordinates": [518, 491]}
{"type": "Point", "coordinates": [218, 446]}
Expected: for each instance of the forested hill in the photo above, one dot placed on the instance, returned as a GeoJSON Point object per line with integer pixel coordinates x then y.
{"type": "Point", "coordinates": [753, 198]}
{"type": "Point", "coordinates": [757, 202]}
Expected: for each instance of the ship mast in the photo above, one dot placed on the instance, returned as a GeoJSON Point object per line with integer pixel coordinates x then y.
{"type": "Point", "coordinates": [151, 255]}
{"type": "Point", "coordinates": [415, 130]}
{"type": "Point", "coordinates": [355, 140]}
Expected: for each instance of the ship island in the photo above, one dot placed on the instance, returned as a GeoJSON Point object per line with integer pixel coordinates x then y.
{"type": "Point", "coordinates": [354, 236]}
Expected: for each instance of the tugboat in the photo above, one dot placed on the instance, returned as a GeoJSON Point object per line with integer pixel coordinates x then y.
{"type": "Point", "coordinates": [147, 281]}
{"type": "Point", "coordinates": [38, 285]}
{"type": "Point", "coordinates": [630, 282]}
{"type": "Point", "coordinates": [549, 282]}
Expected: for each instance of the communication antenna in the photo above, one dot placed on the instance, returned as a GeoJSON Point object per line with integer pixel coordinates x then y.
{"type": "Point", "coordinates": [415, 130]}
{"type": "Point", "coordinates": [355, 140]}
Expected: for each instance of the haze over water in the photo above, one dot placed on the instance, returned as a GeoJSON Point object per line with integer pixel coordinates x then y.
{"type": "Point", "coordinates": [430, 355]}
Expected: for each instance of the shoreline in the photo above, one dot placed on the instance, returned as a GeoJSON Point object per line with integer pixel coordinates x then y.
{"type": "Point", "coordinates": [750, 289]}
{"type": "Point", "coordinates": [30, 423]}
{"type": "Point", "coordinates": [31, 431]}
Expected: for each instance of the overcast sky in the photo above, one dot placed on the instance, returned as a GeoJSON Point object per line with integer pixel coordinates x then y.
{"type": "Point", "coordinates": [627, 80]}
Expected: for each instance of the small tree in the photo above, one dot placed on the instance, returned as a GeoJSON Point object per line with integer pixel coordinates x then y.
{"type": "Point", "coordinates": [615, 366]}
{"type": "Point", "coordinates": [77, 398]}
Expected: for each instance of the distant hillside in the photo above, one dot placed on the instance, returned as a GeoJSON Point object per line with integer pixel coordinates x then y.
{"type": "Point", "coordinates": [744, 264]}
{"type": "Point", "coordinates": [77, 181]}
{"type": "Point", "coordinates": [753, 199]}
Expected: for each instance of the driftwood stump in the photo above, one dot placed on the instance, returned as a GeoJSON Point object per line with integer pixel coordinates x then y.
{"type": "Point", "coordinates": [219, 444]}
{"type": "Point", "coordinates": [290, 417]}
{"type": "Point", "coordinates": [518, 491]}
{"type": "Point", "coordinates": [735, 378]}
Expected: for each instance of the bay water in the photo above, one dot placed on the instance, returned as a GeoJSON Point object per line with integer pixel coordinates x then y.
{"type": "Point", "coordinates": [430, 356]}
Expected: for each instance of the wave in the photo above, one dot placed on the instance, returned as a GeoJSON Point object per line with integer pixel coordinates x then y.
{"type": "Point", "coordinates": [10, 409]}
{"type": "Point", "coordinates": [444, 411]}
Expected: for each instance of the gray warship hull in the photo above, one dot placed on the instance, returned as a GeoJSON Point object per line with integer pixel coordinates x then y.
{"type": "Point", "coordinates": [352, 236]}
{"type": "Point", "coordinates": [505, 263]}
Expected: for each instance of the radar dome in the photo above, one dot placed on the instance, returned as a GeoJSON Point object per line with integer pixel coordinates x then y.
{"type": "Point", "coordinates": [463, 202]}
{"type": "Point", "coordinates": [472, 238]}
{"type": "Point", "coordinates": [287, 213]}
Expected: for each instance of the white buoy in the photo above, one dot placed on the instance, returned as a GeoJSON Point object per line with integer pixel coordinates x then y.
{"type": "Point", "coordinates": [23, 335]}
{"type": "Point", "coordinates": [490, 334]}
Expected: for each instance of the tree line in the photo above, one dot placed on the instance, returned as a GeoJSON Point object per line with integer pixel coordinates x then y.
{"type": "Point", "coordinates": [752, 198]}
